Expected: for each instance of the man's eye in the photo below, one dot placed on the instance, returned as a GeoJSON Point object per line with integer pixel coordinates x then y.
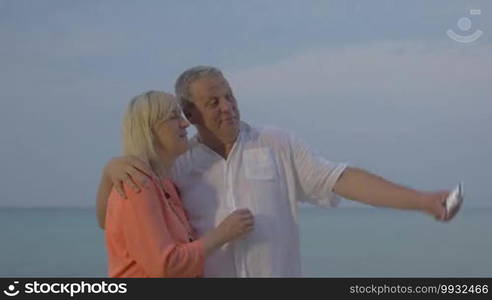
{"type": "Point", "coordinates": [213, 102]}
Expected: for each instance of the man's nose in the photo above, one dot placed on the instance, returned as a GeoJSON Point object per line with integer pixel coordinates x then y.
{"type": "Point", "coordinates": [226, 105]}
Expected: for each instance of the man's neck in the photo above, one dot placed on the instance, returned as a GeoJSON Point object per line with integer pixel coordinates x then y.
{"type": "Point", "coordinates": [221, 147]}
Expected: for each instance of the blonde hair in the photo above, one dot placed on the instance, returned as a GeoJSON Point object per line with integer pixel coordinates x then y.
{"type": "Point", "coordinates": [143, 112]}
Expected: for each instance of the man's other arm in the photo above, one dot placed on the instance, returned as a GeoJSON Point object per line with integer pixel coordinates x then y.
{"type": "Point", "coordinates": [362, 186]}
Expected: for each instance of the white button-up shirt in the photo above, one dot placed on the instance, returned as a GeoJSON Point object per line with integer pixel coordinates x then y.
{"type": "Point", "coordinates": [268, 171]}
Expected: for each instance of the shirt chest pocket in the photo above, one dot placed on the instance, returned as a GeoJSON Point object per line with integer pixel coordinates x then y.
{"type": "Point", "coordinates": [259, 164]}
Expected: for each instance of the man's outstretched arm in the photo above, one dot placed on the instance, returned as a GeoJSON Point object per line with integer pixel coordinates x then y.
{"type": "Point", "coordinates": [362, 186]}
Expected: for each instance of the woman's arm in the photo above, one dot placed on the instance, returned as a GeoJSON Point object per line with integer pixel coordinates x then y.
{"type": "Point", "coordinates": [236, 224]}
{"type": "Point", "coordinates": [148, 238]}
{"type": "Point", "coordinates": [150, 242]}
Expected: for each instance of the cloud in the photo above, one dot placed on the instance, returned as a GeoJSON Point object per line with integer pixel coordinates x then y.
{"type": "Point", "coordinates": [415, 112]}
{"type": "Point", "coordinates": [387, 68]}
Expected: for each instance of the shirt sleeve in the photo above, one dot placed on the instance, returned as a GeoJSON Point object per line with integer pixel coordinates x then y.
{"type": "Point", "coordinates": [315, 175]}
{"type": "Point", "coordinates": [149, 241]}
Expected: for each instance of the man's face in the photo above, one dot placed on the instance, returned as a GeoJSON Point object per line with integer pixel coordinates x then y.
{"type": "Point", "coordinates": [215, 108]}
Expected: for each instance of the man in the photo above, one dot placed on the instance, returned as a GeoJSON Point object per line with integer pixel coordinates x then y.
{"type": "Point", "coordinates": [232, 165]}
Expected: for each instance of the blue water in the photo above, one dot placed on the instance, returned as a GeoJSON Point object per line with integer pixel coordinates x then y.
{"type": "Point", "coordinates": [343, 242]}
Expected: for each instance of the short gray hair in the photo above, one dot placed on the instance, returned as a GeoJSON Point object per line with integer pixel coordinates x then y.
{"type": "Point", "coordinates": [184, 81]}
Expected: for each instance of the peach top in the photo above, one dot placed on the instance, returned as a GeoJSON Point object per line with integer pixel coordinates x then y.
{"type": "Point", "coordinates": [148, 234]}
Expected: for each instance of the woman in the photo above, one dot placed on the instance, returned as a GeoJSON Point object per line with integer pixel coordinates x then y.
{"type": "Point", "coordinates": [148, 233]}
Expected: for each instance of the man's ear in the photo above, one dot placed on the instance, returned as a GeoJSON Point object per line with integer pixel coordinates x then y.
{"type": "Point", "coordinates": [188, 112]}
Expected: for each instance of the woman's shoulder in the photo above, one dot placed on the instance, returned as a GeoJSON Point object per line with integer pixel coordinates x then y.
{"type": "Point", "coordinates": [146, 184]}
{"type": "Point", "coordinates": [170, 185]}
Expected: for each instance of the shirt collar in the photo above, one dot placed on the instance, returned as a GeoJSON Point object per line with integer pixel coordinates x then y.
{"type": "Point", "coordinates": [244, 130]}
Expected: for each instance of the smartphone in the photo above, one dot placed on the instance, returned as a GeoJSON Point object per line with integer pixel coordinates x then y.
{"type": "Point", "coordinates": [454, 199]}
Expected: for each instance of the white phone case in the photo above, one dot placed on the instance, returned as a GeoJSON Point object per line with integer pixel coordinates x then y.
{"type": "Point", "coordinates": [455, 198]}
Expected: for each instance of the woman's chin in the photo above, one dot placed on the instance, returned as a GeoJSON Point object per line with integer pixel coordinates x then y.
{"type": "Point", "coordinates": [183, 149]}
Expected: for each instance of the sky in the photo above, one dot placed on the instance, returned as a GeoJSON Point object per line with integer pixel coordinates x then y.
{"type": "Point", "coordinates": [378, 84]}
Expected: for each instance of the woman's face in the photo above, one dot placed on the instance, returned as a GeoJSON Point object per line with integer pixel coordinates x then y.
{"type": "Point", "coordinates": [171, 135]}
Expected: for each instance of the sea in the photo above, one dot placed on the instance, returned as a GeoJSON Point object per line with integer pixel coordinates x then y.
{"type": "Point", "coordinates": [340, 242]}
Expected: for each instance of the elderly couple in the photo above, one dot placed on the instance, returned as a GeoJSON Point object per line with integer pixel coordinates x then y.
{"type": "Point", "coordinates": [224, 203]}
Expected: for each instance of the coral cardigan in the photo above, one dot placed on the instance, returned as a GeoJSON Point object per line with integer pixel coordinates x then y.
{"type": "Point", "coordinates": [148, 234]}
